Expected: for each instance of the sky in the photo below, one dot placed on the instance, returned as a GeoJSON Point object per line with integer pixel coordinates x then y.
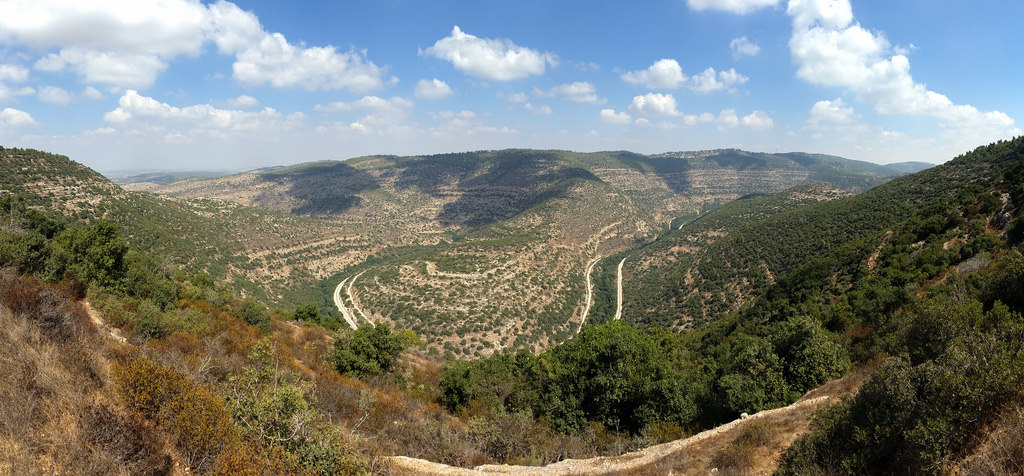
{"type": "Point", "coordinates": [137, 85]}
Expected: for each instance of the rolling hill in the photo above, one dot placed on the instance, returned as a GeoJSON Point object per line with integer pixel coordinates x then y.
{"type": "Point", "coordinates": [488, 250]}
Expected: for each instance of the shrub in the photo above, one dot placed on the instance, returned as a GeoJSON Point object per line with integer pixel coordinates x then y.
{"type": "Point", "coordinates": [196, 417]}
{"type": "Point", "coordinates": [369, 350]}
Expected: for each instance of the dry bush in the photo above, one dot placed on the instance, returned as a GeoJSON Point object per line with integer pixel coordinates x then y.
{"type": "Point", "coordinates": [196, 417]}
{"type": "Point", "coordinates": [1002, 452]}
{"type": "Point", "coordinates": [128, 440]}
{"type": "Point", "coordinates": [55, 416]}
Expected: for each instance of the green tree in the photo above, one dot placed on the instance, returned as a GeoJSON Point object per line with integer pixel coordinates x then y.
{"type": "Point", "coordinates": [255, 314]}
{"type": "Point", "coordinates": [369, 350]}
{"type": "Point", "coordinates": [307, 313]}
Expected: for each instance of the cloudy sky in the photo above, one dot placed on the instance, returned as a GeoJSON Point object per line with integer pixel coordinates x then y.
{"type": "Point", "coordinates": [183, 84]}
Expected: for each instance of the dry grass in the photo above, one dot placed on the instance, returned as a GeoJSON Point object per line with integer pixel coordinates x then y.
{"type": "Point", "coordinates": [57, 416]}
{"type": "Point", "coordinates": [1001, 450]}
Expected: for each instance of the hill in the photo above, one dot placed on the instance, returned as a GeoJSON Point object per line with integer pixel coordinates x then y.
{"type": "Point", "coordinates": [154, 369]}
{"type": "Point", "coordinates": [495, 243]}
{"type": "Point", "coordinates": [719, 261]}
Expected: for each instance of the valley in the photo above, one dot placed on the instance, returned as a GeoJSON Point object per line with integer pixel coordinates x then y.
{"type": "Point", "coordinates": [577, 321]}
{"type": "Point", "coordinates": [483, 252]}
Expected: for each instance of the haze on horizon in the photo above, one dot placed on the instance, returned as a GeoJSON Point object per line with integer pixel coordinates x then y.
{"type": "Point", "coordinates": [184, 84]}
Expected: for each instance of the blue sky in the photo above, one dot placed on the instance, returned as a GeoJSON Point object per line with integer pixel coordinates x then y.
{"type": "Point", "coordinates": [180, 84]}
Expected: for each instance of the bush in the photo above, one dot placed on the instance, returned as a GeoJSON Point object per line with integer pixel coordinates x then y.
{"type": "Point", "coordinates": [196, 417]}
{"type": "Point", "coordinates": [255, 314]}
{"type": "Point", "coordinates": [369, 350]}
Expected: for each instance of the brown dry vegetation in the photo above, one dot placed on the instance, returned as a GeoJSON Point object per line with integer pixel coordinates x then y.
{"type": "Point", "coordinates": [58, 415]}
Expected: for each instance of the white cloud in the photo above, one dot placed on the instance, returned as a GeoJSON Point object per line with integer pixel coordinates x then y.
{"type": "Point", "coordinates": [541, 110]}
{"type": "Point", "coordinates": [663, 74]}
{"type": "Point", "coordinates": [432, 89]}
{"type": "Point", "coordinates": [128, 44]}
{"type": "Point", "coordinates": [708, 81]}
{"type": "Point", "coordinates": [609, 116]}
{"type": "Point", "coordinates": [284, 65]}
{"type": "Point", "coordinates": [758, 121]}
{"type": "Point", "coordinates": [123, 69]}
{"type": "Point", "coordinates": [242, 102]}
{"type": "Point", "coordinates": [654, 104]}
{"type": "Point", "coordinates": [831, 50]}
{"type": "Point", "coordinates": [91, 93]}
{"type": "Point", "coordinates": [13, 72]}
{"type": "Point", "coordinates": [743, 47]}
{"type": "Point", "coordinates": [830, 111]}
{"type": "Point", "coordinates": [15, 118]}
{"type": "Point", "coordinates": [381, 114]}
{"type": "Point", "coordinates": [495, 59]}
{"type": "Point", "coordinates": [580, 91]}
{"type": "Point", "coordinates": [149, 116]}
{"type": "Point", "coordinates": [7, 93]}
{"type": "Point", "coordinates": [518, 97]}
{"type": "Point", "coordinates": [55, 95]}
{"type": "Point", "coordinates": [667, 74]}
{"type": "Point", "coordinates": [692, 120]}
{"type": "Point", "coordinates": [367, 103]}
{"type": "Point", "coordinates": [734, 6]}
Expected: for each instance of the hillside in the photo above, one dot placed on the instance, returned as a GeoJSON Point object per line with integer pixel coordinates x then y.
{"type": "Point", "coordinates": [274, 257]}
{"type": "Point", "coordinates": [507, 241]}
{"type": "Point", "coordinates": [155, 369]}
{"type": "Point", "coordinates": [721, 260]}
{"type": "Point", "coordinates": [931, 299]}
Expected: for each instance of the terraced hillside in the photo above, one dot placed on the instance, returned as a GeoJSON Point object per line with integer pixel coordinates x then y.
{"type": "Point", "coordinates": [263, 253]}
{"type": "Point", "coordinates": [494, 245]}
{"type": "Point", "coordinates": [719, 261]}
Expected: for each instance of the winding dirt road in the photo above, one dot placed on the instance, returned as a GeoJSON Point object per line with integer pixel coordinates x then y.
{"type": "Point", "coordinates": [590, 294]}
{"type": "Point", "coordinates": [349, 318]}
{"type": "Point", "coordinates": [352, 297]}
{"type": "Point", "coordinates": [618, 307]}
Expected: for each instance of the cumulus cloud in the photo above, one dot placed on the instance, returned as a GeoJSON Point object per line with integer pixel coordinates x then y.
{"type": "Point", "coordinates": [541, 110]}
{"type": "Point", "coordinates": [282, 64]}
{"type": "Point", "coordinates": [518, 97]}
{"type": "Point", "coordinates": [663, 74]}
{"type": "Point", "coordinates": [147, 115]}
{"type": "Point", "coordinates": [13, 72]}
{"type": "Point", "coordinates": [432, 89]}
{"type": "Point", "coordinates": [8, 93]}
{"type": "Point", "coordinates": [709, 81]}
{"type": "Point", "coordinates": [667, 74]}
{"type": "Point", "coordinates": [381, 114]}
{"type": "Point", "coordinates": [55, 95]}
{"type": "Point", "coordinates": [128, 44]}
{"type": "Point", "coordinates": [826, 111]}
{"type": "Point", "coordinates": [367, 103]}
{"type": "Point", "coordinates": [580, 91]}
{"type": "Point", "coordinates": [15, 118]}
{"type": "Point", "coordinates": [91, 93]}
{"type": "Point", "coordinates": [757, 120]}
{"type": "Point", "coordinates": [734, 6]}
{"type": "Point", "coordinates": [609, 116]}
{"type": "Point", "coordinates": [654, 104]}
{"type": "Point", "coordinates": [242, 102]}
{"type": "Point", "coordinates": [831, 50]}
{"type": "Point", "coordinates": [743, 47]}
{"type": "Point", "coordinates": [495, 59]}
